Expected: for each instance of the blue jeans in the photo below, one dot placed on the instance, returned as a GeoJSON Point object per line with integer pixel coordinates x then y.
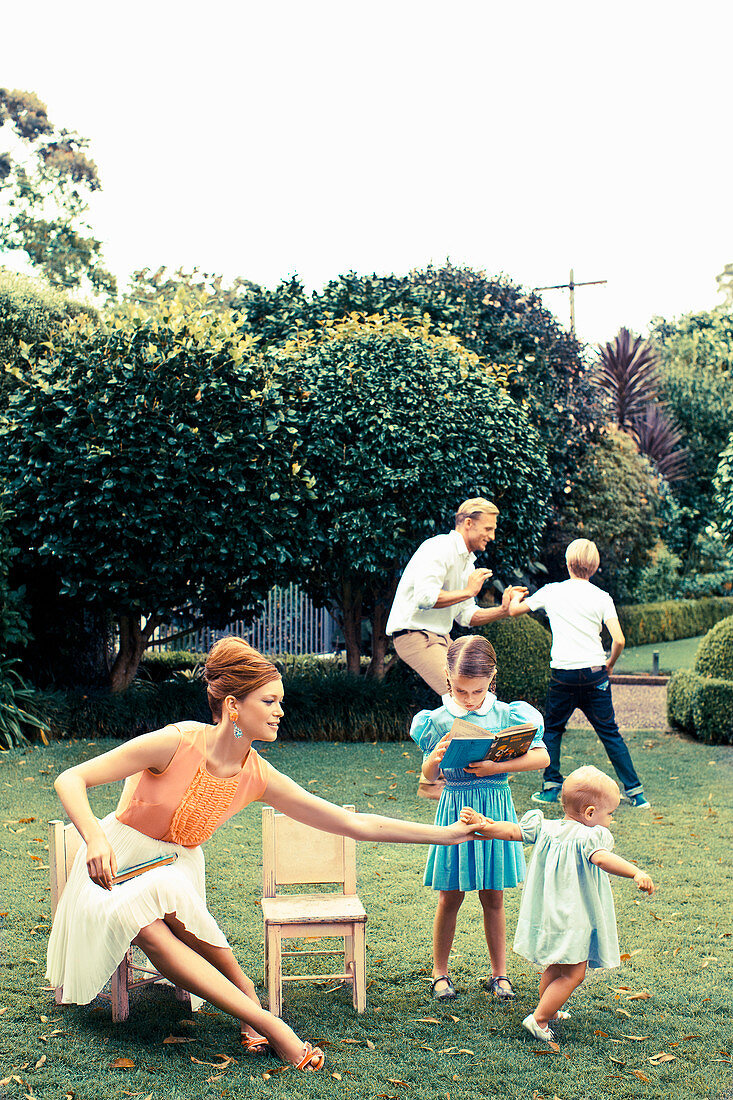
{"type": "Point", "coordinates": [588, 690]}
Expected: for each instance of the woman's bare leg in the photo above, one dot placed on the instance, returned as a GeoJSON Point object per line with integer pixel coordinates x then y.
{"type": "Point", "coordinates": [184, 966]}
{"type": "Point", "coordinates": [223, 959]}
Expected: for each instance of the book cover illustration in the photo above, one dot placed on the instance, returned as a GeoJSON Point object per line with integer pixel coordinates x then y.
{"type": "Point", "coordinates": [470, 743]}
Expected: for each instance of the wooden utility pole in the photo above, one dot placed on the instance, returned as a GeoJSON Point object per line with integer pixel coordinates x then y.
{"type": "Point", "coordinates": [571, 285]}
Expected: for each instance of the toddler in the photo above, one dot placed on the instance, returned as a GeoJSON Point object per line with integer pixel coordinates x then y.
{"type": "Point", "coordinates": [566, 920]}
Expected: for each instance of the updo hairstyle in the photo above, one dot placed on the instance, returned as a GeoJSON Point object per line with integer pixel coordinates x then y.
{"type": "Point", "coordinates": [233, 667]}
{"type": "Point", "coordinates": [472, 656]}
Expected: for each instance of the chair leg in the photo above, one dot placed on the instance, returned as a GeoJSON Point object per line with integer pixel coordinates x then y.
{"type": "Point", "coordinates": [274, 975]}
{"type": "Point", "coordinates": [183, 995]}
{"type": "Point", "coordinates": [359, 941]}
{"type": "Point", "coordinates": [120, 996]}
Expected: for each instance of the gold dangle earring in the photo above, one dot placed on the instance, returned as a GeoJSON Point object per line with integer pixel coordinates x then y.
{"type": "Point", "coordinates": [238, 731]}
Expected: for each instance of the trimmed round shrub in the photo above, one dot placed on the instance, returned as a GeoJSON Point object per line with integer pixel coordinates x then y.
{"type": "Point", "coordinates": [715, 652]}
{"type": "Point", "coordinates": [523, 659]}
{"type": "Point", "coordinates": [712, 711]}
{"type": "Point", "coordinates": [680, 695]}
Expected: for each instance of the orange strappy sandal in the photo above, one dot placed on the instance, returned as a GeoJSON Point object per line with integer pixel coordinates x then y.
{"type": "Point", "coordinates": [313, 1059]}
{"type": "Point", "coordinates": [254, 1044]}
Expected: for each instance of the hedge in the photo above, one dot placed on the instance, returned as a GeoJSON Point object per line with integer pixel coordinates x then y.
{"type": "Point", "coordinates": [523, 659]}
{"type": "Point", "coordinates": [715, 652]}
{"type": "Point", "coordinates": [671, 619]}
{"type": "Point", "coordinates": [701, 706]}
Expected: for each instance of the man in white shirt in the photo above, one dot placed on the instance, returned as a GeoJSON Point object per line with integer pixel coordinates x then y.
{"type": "Point", "coordinates": [439, 587]}
{"type": "Point", "coordinates": [579, 668]}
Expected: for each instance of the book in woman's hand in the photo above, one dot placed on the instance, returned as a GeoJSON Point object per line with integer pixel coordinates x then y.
{"type": "Point", "coordinates": [470, 743]}
{"type": "Point", "coordinates": [140, 868]}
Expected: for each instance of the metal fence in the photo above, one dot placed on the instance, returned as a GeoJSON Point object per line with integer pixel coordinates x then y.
{"type": "Point", "coordinates": [290, 624]}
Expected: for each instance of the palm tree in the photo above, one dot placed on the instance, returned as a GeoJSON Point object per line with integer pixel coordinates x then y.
{"type": "Point", "coordinates": [659, 438]}
{"type": "Point", "coordinates": [629, 372]}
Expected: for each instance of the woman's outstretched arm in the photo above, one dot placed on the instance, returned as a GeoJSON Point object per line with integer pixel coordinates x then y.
{"type": "Point", "coordinates": [286, 796]}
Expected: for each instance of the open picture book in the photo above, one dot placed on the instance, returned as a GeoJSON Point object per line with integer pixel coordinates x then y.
{"type": "Point", "coordinates": [470, 743]}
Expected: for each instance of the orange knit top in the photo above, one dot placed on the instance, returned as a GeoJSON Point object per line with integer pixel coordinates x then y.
{"type": "Point", "coordinates": [185, 804]}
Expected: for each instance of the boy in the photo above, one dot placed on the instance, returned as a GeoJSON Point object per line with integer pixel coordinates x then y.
{"type": "Point", "coordinates": [579, 670]}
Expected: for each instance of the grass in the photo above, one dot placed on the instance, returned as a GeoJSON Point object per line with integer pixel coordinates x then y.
{"type": "Point", "coordinates": [678, 942]}
{"type": "Point", "coordinates": [672, 656]}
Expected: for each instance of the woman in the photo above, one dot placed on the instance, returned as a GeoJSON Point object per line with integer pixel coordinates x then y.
{"type": "Point", "coordinates": [182, 782]}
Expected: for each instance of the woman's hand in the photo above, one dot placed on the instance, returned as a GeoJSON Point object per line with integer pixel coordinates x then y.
{"type": "Point", "coordinates": [101, 861]}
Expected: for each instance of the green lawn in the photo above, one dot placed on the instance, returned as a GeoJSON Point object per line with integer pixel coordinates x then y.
{"type": "Point", "coordinates": [671, 995]}
{"type": "Point", "coordinates": [672, 655]}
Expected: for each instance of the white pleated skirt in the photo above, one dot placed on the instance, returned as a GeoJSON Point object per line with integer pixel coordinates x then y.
{"type": "Point", "coordinates": [93, 928]}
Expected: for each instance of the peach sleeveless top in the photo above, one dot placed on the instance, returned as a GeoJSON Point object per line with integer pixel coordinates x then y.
{"type": "Point", "coordinates": [185, 804]}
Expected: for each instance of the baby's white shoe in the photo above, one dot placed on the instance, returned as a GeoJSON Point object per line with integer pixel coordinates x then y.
{"type": "Point", "coordinates": [543, 1033]}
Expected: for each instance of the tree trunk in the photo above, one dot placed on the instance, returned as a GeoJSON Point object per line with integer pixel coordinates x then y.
{"type": "Point", "coordinates": [380, 641]}
{"type": "Point", "coordinates": [351, 621]}
{"type": "Point", "coordinates": [133, 643]}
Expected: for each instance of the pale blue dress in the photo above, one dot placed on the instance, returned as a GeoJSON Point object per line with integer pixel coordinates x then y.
{"type": "Point", "coordinates": [476, 864]}
{"type": "Point", "coordinates": [567, 913]}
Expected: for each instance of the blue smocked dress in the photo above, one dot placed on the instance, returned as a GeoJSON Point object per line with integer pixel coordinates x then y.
{"type": "Point", "coordinates": [567, 913]}
{"type": "Point", "coordinates": [476, 864]}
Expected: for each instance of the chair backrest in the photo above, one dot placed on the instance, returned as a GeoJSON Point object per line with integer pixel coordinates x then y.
{"type": "Point", "coordinates": [293, 853]}
{"type": "Point", "coordinates": [64, 842]}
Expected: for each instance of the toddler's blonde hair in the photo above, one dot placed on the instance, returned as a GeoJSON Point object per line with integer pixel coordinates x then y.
{"type": "Point", "coordinates": [585, 787]}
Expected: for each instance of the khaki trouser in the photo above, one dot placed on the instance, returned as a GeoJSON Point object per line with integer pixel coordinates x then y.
{"type": "Point", "coordinates": [426, 653]}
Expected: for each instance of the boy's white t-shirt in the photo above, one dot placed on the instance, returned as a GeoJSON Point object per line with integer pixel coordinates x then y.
{"type": "Point", "coordinates": [577, 610]}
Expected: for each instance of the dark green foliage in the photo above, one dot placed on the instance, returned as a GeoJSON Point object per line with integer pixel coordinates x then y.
{"type": "Point", "coordinates": [612, 502]}
{"type": "Point", "coordinates": [158, 665]}
{"type": "Point", "coordinates": [18, 721]}
{"type": "Point", "coordinates": [151, 466]}
{"type": "Point", "coordinates": [523, 659]}
{"type": "Point", "coordinates": [143, 707]}
{"type": "Point", "coordinates": [723, 492]}
{"type": "Point", "coordinates": [701, 706]}
{"type": "Point", "coordinates": [666, 621]}
{"type": "Point", "coordinates": [397, 427]}
{"type": "Point", "coordinates": [695, 384]}
{"type": "Point", "coordinates": [715, 652]}
{"type": "Point", "coordinates": [680, 695]}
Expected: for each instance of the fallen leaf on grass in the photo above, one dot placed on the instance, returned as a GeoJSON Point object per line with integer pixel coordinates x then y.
{"type": "Point", "coordinates": [428, 1020]}
{"type": "Point", "coordinates": [122, 1063]}
{"type": "Point", "coordinates": [455, 1019]}
{"type": "Point", "coordinates": [599, 1032]}
{"type": "Point", "coordinates": [40, 1062]}
{"type": "Point", "coordinates": [639, 1074]}
{"type": "Point", "coordinates": [623, 1012]}
{"type": "Point", "coordinates": [370, 1045]}
{"type": "Point", "coordinates": [395, 1081]}
{"type": "Point", "coordinates": [636, 1038]}
{"type": "Point", "coordinates": [642, 995]}
{"type": "Point", "coordinates": [5, 1009]}
{"type": "Point", "coordinates": [685, 1038]}
{"type": "Point", "coordinates": [617, 1061]}
{"type": "Point", "coordinates": [657, 1059]}
{"type": "Point", "coordinates": [226, 1061]}
{"type": "Point", "coordinates": [177, 1039]}
{"type": "Point", "coordinates": [337, 1076]}
{"type": "Point", "coordinates": [555, 1048]}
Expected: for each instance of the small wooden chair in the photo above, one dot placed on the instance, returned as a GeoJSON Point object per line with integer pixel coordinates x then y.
{"type": "Point", "coordinates": [64, 842]}
{"type": "Point", "coordinates": [293, 854]}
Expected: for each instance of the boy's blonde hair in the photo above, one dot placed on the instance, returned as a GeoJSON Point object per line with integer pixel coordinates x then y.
{"type": "Point", "coordinates": [582, 558]}
{"type": "Point", "coordinates": [585, 787]}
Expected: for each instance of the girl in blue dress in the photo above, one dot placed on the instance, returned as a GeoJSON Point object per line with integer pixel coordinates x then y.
{"type": "Point", "coordinates": [488, 867]}
{"type": "Point", "coordinates": [566, 920]}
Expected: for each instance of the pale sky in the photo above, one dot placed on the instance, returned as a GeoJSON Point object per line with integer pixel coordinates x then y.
{"type": "Point", "coordinates": [279, 137]}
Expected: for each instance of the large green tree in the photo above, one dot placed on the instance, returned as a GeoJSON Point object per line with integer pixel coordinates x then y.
{"type": "Point", "coordinates": [46, 178]}
{"type": "Point", "coordinates": [398, 426]}
{"type": "Point", "coordinates": [696, 385]}
{"type": "Point", "coordinates": [152, 467]}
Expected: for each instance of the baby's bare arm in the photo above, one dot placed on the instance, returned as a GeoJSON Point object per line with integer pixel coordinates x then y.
{"type": "Point", "coordinates": [615, 865]}
{"type": "Point", "coordinates": [491, 830]}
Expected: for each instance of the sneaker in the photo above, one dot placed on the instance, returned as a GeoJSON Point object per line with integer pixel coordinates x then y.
{"type": "Point", "coordinates": [638, 801]}
{"type": "Point", "coordinates": [544, 1033]}
{"type": "Point", "coordinates": [552, 794]}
